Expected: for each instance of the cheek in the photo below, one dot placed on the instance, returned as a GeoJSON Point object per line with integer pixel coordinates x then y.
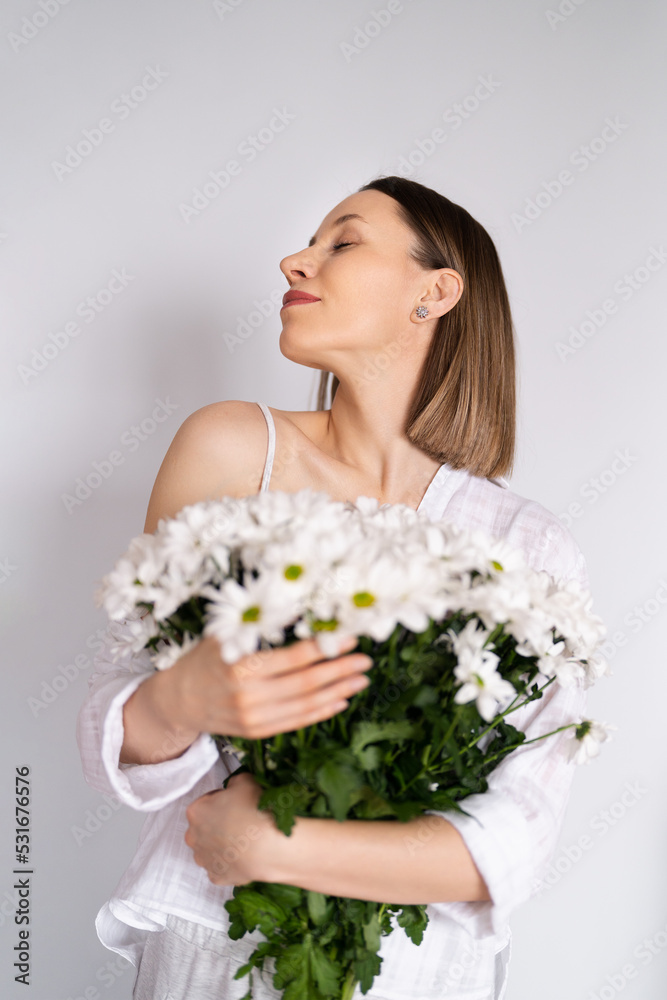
{"type": "Point", "coordinates": [370, 294]}
{"type": "Point", "coordinates": [382, 311]}
{"type": "Point", "coordinates": [366, 302]}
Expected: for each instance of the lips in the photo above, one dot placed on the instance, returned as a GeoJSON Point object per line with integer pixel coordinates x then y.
{"type": "Point", "coordinates": [294, 297]}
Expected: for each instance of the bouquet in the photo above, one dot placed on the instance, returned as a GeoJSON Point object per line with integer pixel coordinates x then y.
{"type": "Point", "coordinates": [462, 632]}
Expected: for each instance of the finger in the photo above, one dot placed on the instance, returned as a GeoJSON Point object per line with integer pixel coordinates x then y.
{"type": "Point", "coordinates": [273, 662]}
{"type": "Point", "coordinates": [300, 683]}
{"type": "Point", "coordinates": [299, 694]}
{"type": "Point", "coordinates": [287, 724]}
{"type": "Point", "coordinates": [283, 717]}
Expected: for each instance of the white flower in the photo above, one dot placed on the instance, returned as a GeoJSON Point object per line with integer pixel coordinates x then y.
{"type": "Point", "coordinates": [585, 740]}
{"type": "Point", "coordinates": [135, 636]}
{"type": "Point", "coordinates": [595, 667]}
{"type": "Point", "coordinates": [127, 641]}
{"type": "Point", "coordinates": [278, 560]}
{"type": "Point", "coordinates": [230, 749]}
{"type": "Point", "coordinates": [122, 589]}
{"type": "Point", "coordinates": [568, 670]}
{"type": "Point", "coordinates": [486, 686]}
{"type": "Point", "coordinates": [239, 617]}
{"type": "Point", "coordinates": [502, 559]}
{"type": "Point", "coordinates": [170, 652]}
{"type": "Point", "coordinates": [476, 669]}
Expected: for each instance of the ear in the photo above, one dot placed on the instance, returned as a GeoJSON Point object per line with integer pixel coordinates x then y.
{"type": "Point", "coordinates": [442, 294]}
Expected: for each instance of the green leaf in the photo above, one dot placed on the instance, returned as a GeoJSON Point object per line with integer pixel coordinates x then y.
{"type": "Point", "coordinates": [372, 732]}
{"type": "Point", "coordinates": [413, 920]}
{"type": "Point", "coordinates": [406, 811]}
{"type": "Point", "coordinates": [366, 967]}
{"type": "Point", "coordinates": [244, 970]}
{"type": "Point", "coordinates": [260, 911]}
{"type": "Point", "coordinates": [372, 932]}
{"type": "Point", "coordinates": [370, 758]}
{"type": "Point", "coordinates": [325, 971]}
{"type": "Point", "coordinates": [287, 896]}
{"type": "Point", "coordinates": [426, 695]}
{"type": "Point", "coordinates": [371, 805]}
{"type": "Point", "coordinates": [285, 802]}
{"type": "Point", "coordinates": [339, 781]}
{"type": "Point", "coordinates": [317, 906]}
{"type": "Point", "coordinates": [237, 926]}
{"type": "Point", "coordinates": [320, 807]}
{"type": "Point", "coordinates": [292, 971]}
{"type": "Point", "coordinates": [442, 800]}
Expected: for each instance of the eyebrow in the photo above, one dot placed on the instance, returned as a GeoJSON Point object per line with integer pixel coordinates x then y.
{"type": "Point", "coordinates": [340, 221]}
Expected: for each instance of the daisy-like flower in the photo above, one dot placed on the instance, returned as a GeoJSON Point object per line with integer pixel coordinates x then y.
{"type": "Point", "coordinates": [240, 617]}
{"type": "Point", "coordinates": [586, 739]}
{"type": "Point", "coordinates": [189, 539]}
{"type": "Point", "coordinates": [375, 593]}
{"type": "Point", "coordinates": [595, 667]}
{"type": "Point", "coordinates": [132, 637]}
{"type": "Point", "coordinates": [502, 558]}
{"type": "Point", "coordinates": [332, 569]}
{"type": "Point", "coordinates": [124, 587]}
{"type": "Point", "coordinates": [484, 685]}
{"type": "Point", "coordinates": [476, 669]}
{"type": "Point", "coordinates": [171, 651]}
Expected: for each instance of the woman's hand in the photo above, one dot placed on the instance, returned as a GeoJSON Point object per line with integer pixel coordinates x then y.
{"type": "Point", "coordinates": [230, 837]}
{"type": "Point", "coordinates": [261, 694]}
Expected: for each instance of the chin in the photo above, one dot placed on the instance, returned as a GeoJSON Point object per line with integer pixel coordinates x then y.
{"type": "Point", "coordinates": [293, 351]}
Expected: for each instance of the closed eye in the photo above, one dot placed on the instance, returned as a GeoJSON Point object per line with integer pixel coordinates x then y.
{"type": "Point", "coordinates": [337, 246]}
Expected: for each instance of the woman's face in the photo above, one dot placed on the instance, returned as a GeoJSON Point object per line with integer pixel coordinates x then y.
{"type": "Point", "coordinates": [366, 284]}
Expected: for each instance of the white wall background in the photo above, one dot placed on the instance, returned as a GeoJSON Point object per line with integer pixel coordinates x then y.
{"type": "Point", "coordinates": [557, 73]}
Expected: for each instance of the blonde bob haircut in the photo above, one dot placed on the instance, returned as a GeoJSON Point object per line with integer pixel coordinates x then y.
{"type": "Point", "coordinates": [463, 411]}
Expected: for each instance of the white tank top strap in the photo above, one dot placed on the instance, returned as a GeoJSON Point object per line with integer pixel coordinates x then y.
{"type": "Point", "coordinates": [271, 449]}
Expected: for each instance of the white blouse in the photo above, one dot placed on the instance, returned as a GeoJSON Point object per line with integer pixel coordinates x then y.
{"type": "Point", "coordinates": [511, 833]}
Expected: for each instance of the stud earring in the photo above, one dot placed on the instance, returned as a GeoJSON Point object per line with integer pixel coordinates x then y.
{"type": "Point", "coordinates": [421, 311]}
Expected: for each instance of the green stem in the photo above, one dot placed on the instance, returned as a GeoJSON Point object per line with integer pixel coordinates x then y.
{"type": "Point", "coordinates": [349, 986]}
{"type": "Point", "coordinates": [259, 757]}
{"type": "Point", "coordinates": [512, 707]}
{"type": "Point", "coordinates": [449, 733]}
{"type": "Point", "coordinates": [506, 750]}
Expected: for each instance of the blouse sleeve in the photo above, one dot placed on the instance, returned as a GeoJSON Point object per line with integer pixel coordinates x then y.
{"type": "Point", "coordinates": [513, 827]}
{"type": "Point", "coordinates": [100, 734]}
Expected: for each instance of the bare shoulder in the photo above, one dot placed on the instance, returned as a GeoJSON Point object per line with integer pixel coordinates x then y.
{"type": "Point", "coordinates": [219, 450]}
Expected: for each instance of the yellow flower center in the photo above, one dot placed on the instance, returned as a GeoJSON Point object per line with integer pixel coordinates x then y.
{"type": "Point", "coordinates": [362, 599]}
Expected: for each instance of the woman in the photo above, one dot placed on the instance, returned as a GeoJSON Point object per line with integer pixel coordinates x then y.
{"type": "Point", "coordinates": [401, 296]}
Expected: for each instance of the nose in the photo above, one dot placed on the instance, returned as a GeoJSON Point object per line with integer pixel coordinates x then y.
{"type": "Point", "coordinates": [298, 265]}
